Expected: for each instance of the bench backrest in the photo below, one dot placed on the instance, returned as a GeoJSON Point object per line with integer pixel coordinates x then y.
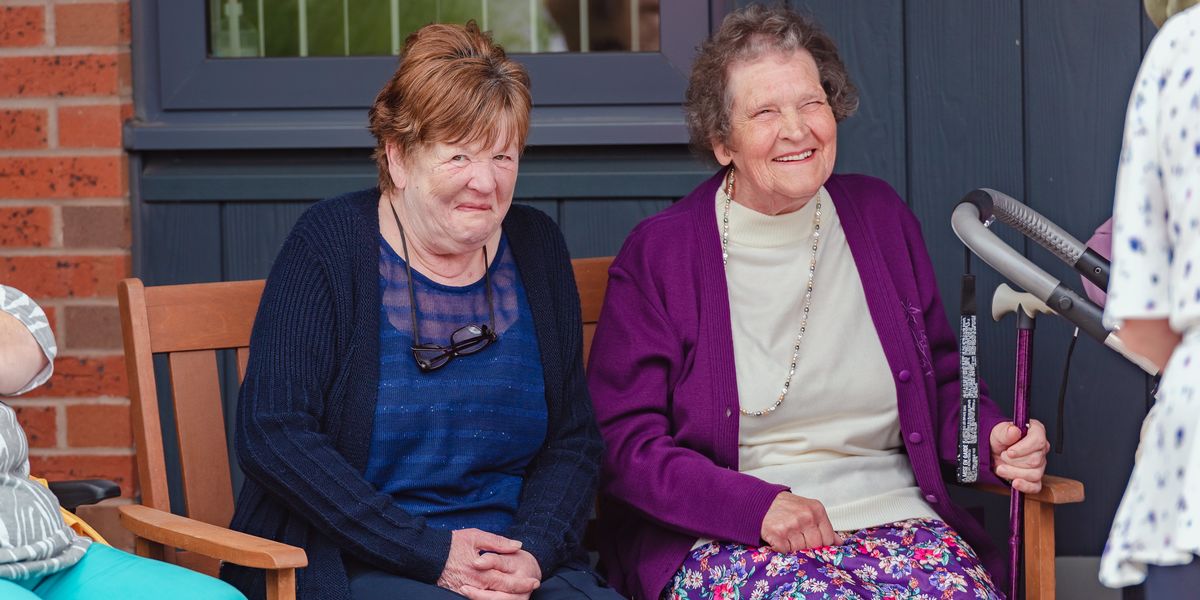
{"type": "Point", "coordinates": [190, 324]}
{"type": "Point", "coordinates": [591, 277]}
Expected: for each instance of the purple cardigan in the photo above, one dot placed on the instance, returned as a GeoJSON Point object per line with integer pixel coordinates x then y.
{"type": "Point", "coordinates": [663, 383]}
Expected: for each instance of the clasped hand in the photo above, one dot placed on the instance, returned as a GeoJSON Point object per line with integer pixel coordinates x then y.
{"type": "Point", "coordinates": [485, 566]}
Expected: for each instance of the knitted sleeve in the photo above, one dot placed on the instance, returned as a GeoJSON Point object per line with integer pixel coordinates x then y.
{"type": "Point", "coordinates": [636, 360]}
{"type": "Point", "coordinates": [560, 483]}
{"type": "Point", "coordinates": [294, 350]}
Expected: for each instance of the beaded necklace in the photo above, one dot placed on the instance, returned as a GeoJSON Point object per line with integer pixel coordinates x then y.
{"type": "Point", "coordinates": [812, 270]}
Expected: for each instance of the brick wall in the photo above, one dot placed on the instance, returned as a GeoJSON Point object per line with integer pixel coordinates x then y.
{"type": "Point", "coordinates": [64, 223]}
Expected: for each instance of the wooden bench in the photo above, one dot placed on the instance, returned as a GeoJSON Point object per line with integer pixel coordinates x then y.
{"type": "Point", "coordinates": [190, 323]}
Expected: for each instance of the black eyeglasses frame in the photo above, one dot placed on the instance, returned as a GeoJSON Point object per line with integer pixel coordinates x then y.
{"type": "Point", "coordinates": [465, 347]}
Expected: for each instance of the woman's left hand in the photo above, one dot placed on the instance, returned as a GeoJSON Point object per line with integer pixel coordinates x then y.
{"type": "Point", "coordinates": [519, 563]}
{"type": "Point", "coordinates": [1021, 460]}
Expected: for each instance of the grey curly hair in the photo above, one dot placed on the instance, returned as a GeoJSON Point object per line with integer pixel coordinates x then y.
{"type": "Point", "coordinates": [745, 35]}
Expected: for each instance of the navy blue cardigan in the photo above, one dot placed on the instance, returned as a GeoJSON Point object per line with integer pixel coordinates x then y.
{"type": "Point", "coordinates": [307, 404]}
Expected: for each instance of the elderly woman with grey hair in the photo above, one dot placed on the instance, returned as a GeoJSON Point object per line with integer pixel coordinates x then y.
{"type": "Point", "coordinates": [773, 372]}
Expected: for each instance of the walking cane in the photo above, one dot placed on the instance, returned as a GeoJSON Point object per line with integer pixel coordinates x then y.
{"type": "Point", "coordinates": [1006, 301]}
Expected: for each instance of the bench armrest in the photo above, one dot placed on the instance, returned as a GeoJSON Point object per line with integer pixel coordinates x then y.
{"type": "Point", "coordinates": [230, 546]}
{"type": "Point", "coordinates": [1055, 490]}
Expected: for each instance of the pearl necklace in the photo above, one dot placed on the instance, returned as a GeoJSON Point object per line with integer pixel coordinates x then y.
{"type": "Point", "coordinates": [812, 270]}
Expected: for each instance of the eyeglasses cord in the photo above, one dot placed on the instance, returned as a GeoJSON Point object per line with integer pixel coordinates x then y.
{"type": "Point", "coordinates": [412, 297]}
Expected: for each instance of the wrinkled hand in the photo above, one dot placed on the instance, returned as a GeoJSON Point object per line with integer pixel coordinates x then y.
{"type": "Point", "coordinates": [520, 564]}
{"type": "Point", "coordinates": [461, 576]}
{"type": "Point", "coordinates": [796, 523]}
{"type": "Point", "coordinates": [1020, 460]}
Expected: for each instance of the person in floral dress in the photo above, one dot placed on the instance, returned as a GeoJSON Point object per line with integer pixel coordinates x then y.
{"type": "Point", "coordinates": [1154, 297]}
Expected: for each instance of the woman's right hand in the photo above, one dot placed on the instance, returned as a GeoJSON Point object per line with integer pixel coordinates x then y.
{"type": "Point", "coordinates": [461, 576]}
{"type": "Point", "coordinates": [796, 523]}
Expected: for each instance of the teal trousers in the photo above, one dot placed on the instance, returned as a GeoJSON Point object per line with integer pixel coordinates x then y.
{"type": "Point", "coordinates": [108, 574]}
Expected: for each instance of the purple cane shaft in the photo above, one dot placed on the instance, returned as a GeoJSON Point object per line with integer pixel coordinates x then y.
{"type": "Point", "coordinates": [1016, 511]}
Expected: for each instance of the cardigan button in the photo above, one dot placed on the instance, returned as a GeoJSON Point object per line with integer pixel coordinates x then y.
{"type": "Point", "coordinates": [915, 437]}
{"type": "Point", "coordinates": [904, 375]}
{"type": "Point", "coordinates": [728, 413]}
{"type": "Point", "coordinates": [930, 498]}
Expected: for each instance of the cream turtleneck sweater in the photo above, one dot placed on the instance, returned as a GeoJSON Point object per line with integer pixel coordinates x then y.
{"type": "Point", "coordinates": [836, 437]}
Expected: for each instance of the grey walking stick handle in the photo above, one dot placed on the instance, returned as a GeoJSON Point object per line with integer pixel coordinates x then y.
{"type": "Point", "coordinates": [1029, 222]}
{"type": "Point", "coordinates": [1033, 225]}
{"type": "Point", "coordinates": [970, 221]}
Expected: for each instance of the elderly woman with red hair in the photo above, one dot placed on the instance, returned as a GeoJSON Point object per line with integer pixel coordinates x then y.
{"type": "Point", "coordinates": [414, 413]}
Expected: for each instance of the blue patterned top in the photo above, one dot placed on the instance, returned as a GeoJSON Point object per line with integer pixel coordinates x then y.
{"type": "Point", "coordinates": [453, 445]}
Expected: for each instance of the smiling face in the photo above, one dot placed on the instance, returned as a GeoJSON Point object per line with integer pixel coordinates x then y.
{"type": "Point", "coordinates": [454, 195]}
{"type": "Point", "coordinates": [783, 136]}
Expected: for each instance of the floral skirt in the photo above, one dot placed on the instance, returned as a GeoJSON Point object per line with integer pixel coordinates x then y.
{"type": "Point", "coordinates": [914, 559]}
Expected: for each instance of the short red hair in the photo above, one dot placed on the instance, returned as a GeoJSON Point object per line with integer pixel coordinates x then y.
{"type": "Point", "coordinates": [454, 84]}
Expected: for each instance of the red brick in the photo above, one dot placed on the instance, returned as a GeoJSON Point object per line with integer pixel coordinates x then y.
{"type": "Point", "coordinates": [118, 468]}
{"type": "Point", "coordinates": [95, 226]}
{"type": "Point", "coordinates": [99, 425]}
{"type": "Point", "coordinates": [25, 226]}
{"type": "Point", "coordinates": [100, 24]}
{"type": "Point", "coordinates": [124, 73]}
{"type": "Point", "coordinates": [64, 276]}
{"type": "Point", "coordinates": [40, 424]}
{"type": "Point", "coordinates": [23, 129]}
{"type": "Point", "coordinates": [72, 75]}
{"type": "Point", "coordinates": [22, 26]}
{"type": "Point", "coordinates": [62, 177]}
{"type": "Point", "coordinates": [82, 377]}
{"type": "Point", "coordinates": [93, 328]}
{"type": "Point", "coordinates": [89, 126]}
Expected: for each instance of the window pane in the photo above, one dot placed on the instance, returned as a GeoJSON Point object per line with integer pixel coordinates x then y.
{"type": "Point", "coordinates": [257, 28]}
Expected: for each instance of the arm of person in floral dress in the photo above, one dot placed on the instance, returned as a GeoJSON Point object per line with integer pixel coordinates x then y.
{"type": "Point", "coordinates": [1151, 338]}
{"type": "Point", "coordinates": [1156, 184]}
{"type": "Point", "coordinates": [1138, 297]}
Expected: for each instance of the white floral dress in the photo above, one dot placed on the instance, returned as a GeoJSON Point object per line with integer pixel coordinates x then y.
{"type": "Point", "coordinates": [1156, 275]}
